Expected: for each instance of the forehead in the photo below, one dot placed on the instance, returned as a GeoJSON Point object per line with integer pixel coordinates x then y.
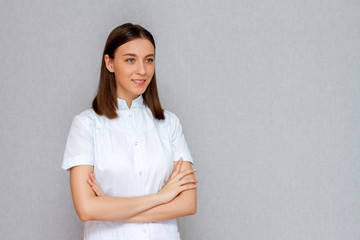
{"type": "Point", "coordinates": [140, 47]}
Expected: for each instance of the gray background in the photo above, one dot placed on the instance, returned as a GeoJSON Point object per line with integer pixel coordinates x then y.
{"type": "Point", "coordinates": [267, 92]}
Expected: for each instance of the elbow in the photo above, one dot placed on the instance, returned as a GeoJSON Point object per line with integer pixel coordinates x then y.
{"type": "Point", "coordinates": [192, 207]}
{"type": "Point", "coordinates": [84, 214]}
{"type": "Point", "coordinates": [84, 217]}
{"type": "Point", "coordinates": [192, 210]}
{"type": "Point", "coordinates": [191, 203]}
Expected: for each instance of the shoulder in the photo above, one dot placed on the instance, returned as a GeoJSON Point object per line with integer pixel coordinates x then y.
{"type": "Point", "coordinates": [171, 122]}
{"type": "Point", "coordinates": [86, 118]}
{"type": "Point", "coordinates": [88, 113]}
{"type": "Point", "coordinates": [171, 118]}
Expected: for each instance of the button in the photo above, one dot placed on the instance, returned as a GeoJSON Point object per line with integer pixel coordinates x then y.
{"type": "Point", "coordinates": [140, 173]}
{"type": "Point", "coordinates": [130, 115]}
{"type": "Point", "coordinates": [136, 143]}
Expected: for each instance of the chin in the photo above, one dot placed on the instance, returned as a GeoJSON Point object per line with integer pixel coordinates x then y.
{"type": "Point", "coordinates": [141, 90]}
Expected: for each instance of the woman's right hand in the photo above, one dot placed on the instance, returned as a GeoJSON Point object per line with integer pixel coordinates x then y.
{"type": "Point", "coordinates": [95, 186]}
{"type": "Point", "coordinates": [177, 183]}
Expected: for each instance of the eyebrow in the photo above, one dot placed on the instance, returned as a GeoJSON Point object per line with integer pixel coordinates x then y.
{"type": "Point", "coordinates": [134, 55]}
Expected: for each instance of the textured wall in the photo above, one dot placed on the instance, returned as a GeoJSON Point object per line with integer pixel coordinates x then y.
{"type": "Point", "coordinates": [267, 91]}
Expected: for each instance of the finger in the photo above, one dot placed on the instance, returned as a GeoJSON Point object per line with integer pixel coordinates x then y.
{"type": "Point", "coordinates": [188, 187]}
{"type": "Point", "coordinates": [90, 182]}
{"type": "Point", "coordinates": [178, 165]}
{"type": "Point", "coordinates": [93, 186]}
{"type": "Point", "coordinates": [185, 173]}
{"type": "Point", "coordinates": [93, 179]}
{"type": "Point", "coordinates": [188, 181]}
{"type": "Point", "coordinates": [98, 187]}
{"type": "Point", "coordinates": [90, 177]}
{"type": "Point", "coordinates": [182, 161]}
{"type": "Point", "coordinates": [95, 190]}
{"type": "Point", "coordinates": [99, 191]}
{"type": "Point", "coordinates": [177, 168]}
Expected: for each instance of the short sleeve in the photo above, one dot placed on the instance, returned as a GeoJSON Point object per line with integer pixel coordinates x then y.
{"type": "Point", "coordinates": [178, 142]}
{"type": "Point", "coordinates": [79, 148]}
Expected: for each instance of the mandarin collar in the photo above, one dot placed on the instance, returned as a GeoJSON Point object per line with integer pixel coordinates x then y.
{"type": "Point", "coordinates": [136, 103]}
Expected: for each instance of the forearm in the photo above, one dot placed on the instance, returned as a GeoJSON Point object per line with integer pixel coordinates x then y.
{"type": "Point", "coordinates": [176, 198]}
{"type": "Point", "coordinates": [107, 208]}
{"type": "Point", "coordinates": [184, 204]}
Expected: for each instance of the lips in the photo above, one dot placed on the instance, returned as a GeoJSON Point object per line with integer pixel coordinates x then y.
{"type": "Point", "coordinates": [139, 82]}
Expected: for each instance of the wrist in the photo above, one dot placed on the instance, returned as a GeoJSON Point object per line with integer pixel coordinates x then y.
{"type": "Point", "coordinates": [158, 199]}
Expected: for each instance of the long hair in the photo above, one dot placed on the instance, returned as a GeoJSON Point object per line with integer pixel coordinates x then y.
{"type": "Point", "coordinates": [105, 101]}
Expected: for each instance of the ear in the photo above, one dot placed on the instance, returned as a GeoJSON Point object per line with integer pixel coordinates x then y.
{"type": "Point", "coordinates": [109, 63]}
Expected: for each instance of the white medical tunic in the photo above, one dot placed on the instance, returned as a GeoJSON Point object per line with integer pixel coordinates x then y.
{"type": "Point", "coordinates": [132, 156]}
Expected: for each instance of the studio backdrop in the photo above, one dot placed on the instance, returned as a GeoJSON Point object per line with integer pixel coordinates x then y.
{"type": "Point", "coordinates": [267, 92]}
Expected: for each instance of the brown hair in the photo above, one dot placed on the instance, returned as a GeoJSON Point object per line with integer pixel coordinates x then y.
{"type": "Point", "coordinates": [105, 101]}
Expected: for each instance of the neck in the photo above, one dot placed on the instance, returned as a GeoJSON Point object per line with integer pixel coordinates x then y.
{"type": "Point", "coordinates": [128, 102]}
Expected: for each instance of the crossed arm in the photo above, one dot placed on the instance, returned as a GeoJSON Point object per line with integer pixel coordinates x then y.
{"type": "Point", "coordinates": [176, 199]}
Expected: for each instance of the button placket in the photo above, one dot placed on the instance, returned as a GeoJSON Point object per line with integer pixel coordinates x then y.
{"type": "Point", "coordinates": [146, 230]}
{"type": "Point", "coordinates": [137, 144]}
{"type": "Point", "coordinates": [131, 115]}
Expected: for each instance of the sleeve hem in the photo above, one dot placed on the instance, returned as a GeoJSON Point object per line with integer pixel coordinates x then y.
{"type": "Point", "coordinates": [185, 156]}
{"type": "Point", "coordinates": [66, 165]}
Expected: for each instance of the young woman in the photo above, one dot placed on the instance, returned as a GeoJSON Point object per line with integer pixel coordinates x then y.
{"type": "Point", "coordinates": [130, 168]}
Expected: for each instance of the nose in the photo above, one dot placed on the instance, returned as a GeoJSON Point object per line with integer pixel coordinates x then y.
{"type": "Point", "coordinates": [140, 68]}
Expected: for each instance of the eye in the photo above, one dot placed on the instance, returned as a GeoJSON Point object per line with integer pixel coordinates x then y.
{"type": "Point", "coordinates": [149, 60]}
{"type": "Point", "coordinates": [130, 60]}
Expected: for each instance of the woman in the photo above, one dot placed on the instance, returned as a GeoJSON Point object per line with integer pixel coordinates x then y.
{"type": "Point", "coordinates": [130, 168]}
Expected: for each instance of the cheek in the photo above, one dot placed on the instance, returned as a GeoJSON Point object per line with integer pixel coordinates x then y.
{"type": "Point", "coordinates": [150, 71]}
{"type": "Point", "coordinates": [121, 71]}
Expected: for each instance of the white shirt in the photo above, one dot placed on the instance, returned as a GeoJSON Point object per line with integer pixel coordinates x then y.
{"type": "Point", "coordinates": [132, 156]}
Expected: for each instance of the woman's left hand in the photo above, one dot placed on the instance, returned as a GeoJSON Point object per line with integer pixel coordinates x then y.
{"type": "Point", "coordinates": [95, 186]}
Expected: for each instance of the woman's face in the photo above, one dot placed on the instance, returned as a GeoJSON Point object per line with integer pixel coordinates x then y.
{"type": "Point", "coordinates": [133, 66]}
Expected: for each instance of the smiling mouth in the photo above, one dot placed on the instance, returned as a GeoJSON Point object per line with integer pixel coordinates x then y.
{"type": "Point", "coordinates": [139, 82]}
